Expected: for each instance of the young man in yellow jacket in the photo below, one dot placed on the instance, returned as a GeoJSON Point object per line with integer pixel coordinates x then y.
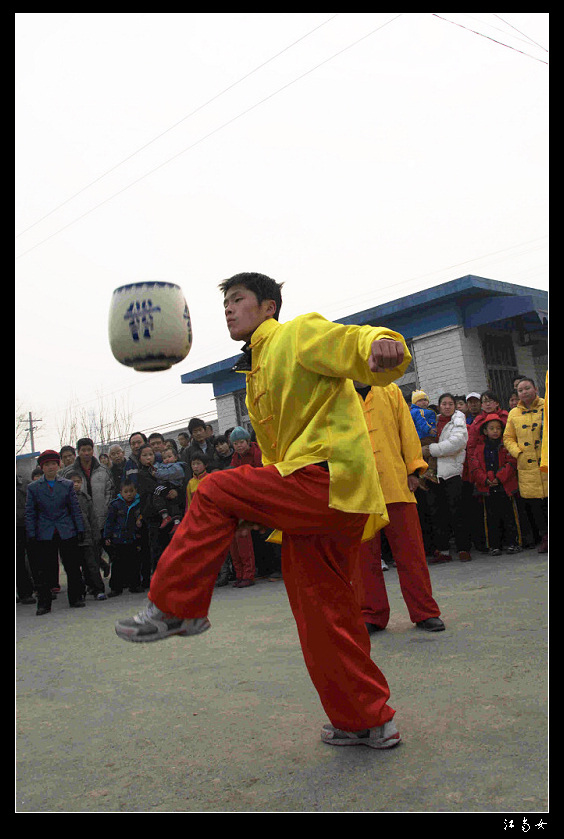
{"type": "Point", "coordinates": [318, 485]}
{"type": "Point", "coordinates": [397, 453]}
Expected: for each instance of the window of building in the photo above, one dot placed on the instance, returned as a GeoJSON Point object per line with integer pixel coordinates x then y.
{"type": "Point", "coordinates": [241, 410]}
{"type": "Point", "coordinates": [500, 361]}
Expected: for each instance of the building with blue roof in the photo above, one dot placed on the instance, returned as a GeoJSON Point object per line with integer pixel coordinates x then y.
{"type": "Point", "coordinates": [466, 335]}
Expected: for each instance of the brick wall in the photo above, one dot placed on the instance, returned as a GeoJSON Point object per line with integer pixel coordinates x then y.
{"type": "Point", "coordinates": [451, 360]}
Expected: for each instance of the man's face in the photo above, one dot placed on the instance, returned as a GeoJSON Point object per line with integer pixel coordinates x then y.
{"type": "Point", "coordinates": [117, 456]}
{"type": "Point", "coordinates": [136, 442]}
{"type": "Point", "coordinates": [184, 440]}
{"type": "Point", "coordinates": [85, 453]}
{"type": "Point", "coordinates": [241, 446]}
{"type": "Point", "coordinates": [67, 458]}
{"type": "Point", "coordinates": [50, 469]}
{"type": "Point", "coordinates": [244, 313]}
{"type": "Point", "coordinates": [199, 434]}
{"type": "Point", "coordinates": [157, 444]}
{"type": "Point", "coordinates": [474, 405]}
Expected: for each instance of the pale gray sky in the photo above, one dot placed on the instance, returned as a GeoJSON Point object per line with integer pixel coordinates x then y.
{"type": "Point", "coordinates": [356, 157]}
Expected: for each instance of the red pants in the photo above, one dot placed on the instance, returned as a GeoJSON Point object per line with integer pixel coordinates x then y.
{"type": "Point", "coordinates": [243, 556]}
{"type": "Point", "coordinates": [406, 542]}
{"type": "Point", "coordinates": [319, 548]}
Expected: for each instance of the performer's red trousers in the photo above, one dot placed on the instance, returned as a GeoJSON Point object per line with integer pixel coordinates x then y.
{"type": "Point", "coordinates": [319, 549]}
{"type": "Point", "coordinates": [406, 542]}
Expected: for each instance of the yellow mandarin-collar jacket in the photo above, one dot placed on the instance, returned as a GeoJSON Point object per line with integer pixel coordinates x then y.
{"type": "Point", "coordinates": [304, 408]}
{"type": "Point", "coordinates": [395, 442]}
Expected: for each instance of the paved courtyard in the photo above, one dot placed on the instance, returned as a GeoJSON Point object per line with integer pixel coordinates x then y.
{"type": "Point", "coordinates": [229, 721]}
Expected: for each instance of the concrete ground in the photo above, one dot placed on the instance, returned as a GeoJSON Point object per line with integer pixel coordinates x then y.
{"type": "Point", "coordinates": [229, 721]}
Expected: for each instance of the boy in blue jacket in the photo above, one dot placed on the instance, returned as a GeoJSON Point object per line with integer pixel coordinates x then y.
{"type": "Point", "coordinates": [123, 534]}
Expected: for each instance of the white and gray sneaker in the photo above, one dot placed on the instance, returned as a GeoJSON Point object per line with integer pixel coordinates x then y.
{"type": "Point", "coordinates": [382, 737]}
{"type": "Point", "coordinates": [150, 624]}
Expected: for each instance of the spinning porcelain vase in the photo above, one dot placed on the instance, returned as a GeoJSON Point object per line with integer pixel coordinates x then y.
{"type": "Point", "coordinates": [149, 325]}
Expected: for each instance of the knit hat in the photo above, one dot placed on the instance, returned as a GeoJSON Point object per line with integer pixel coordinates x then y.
{"type": "Point", "coordinates": [239, 433]}
{"type": "Point", "coordinates": [417, 395]}
{"type": "Point", "coordinates": [490, 418]}
{"type": "Point", "coordinates": [47, 455]}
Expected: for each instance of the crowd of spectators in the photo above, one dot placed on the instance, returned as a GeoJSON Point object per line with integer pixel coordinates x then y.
{"type": "Point", "coordinates": [121, 509]}
{"type": "Point", "coordinates": [484, 490]}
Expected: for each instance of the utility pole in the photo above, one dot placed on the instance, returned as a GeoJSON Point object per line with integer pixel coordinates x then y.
{"type": "Point", "coordinates": [31, 431]}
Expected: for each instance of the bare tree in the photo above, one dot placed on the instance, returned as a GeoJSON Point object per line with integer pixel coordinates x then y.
{"type": "Point", "coordinates": [107, 420]}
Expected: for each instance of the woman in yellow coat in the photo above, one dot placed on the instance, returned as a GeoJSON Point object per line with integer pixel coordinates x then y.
{"type": "Point", "coordinates": [523, 439]}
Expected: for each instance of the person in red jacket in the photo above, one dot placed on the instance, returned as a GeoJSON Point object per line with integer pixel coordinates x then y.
{"type": "Point", "coordinates": [494, 475]}
{"type": "Point", "coordinates": [246, 452]}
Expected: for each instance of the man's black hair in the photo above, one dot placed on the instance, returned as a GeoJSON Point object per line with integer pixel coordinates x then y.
{"type": "Point", "coordinates": [135, 433]}
{"type": "Point", "coordinates": [195, 422]}
{"type": "Point", "coordinates": [263, 287]}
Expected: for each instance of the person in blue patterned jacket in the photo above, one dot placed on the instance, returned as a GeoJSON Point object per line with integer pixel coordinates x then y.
{"type": "Point", "coordinates": [54, 524]}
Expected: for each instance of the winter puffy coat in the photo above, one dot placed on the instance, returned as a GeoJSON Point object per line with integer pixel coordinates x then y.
{"type": "Point", "coordinates": [450, 450]}
{"type": "Point", "coordinates": [523, 440]}
{"type": "Point", "coordinates": [506, 473]}
{"type": "Point", "coordinates": [121, 524]}
{"type": "Point", "coordinates": [424, 419]}
{"type": "Point", "coordinates": [101, 489]}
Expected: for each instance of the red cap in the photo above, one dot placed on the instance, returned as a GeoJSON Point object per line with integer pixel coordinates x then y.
{"type": "Point", "coordinates": [47, 455]}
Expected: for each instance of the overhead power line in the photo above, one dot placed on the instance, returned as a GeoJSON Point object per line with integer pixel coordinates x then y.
{"type": "Point", "coordinates": [211, 133]}
{"type": "Point", "coordinates": [475, 31]}
{"type": "Point", "coordinates": [176, 124]}
{"type": "Point", "coordinates": [520, 33]}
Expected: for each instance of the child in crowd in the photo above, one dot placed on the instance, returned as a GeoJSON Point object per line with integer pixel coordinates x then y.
{"type": "Point", "coordinates": [88, 544]}
{"type": "Point", "coordinates": [426, 426]}
{"type": "Point", "coordinates": [245, 451]}
{"type": "Point", "coordinates": [122, 533]}
{"type": "Point", "coordinates": [494, 473]}
{"type": "Point", "coordinates": [462, 406]}
{"type": "Point", "coordinates": [199, 464]}
{"type": "Point", "coordinates": [170, 497]}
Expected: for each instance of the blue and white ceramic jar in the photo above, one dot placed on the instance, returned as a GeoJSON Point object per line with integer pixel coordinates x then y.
{"type": "Point", "coordinates": [149, 325]}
